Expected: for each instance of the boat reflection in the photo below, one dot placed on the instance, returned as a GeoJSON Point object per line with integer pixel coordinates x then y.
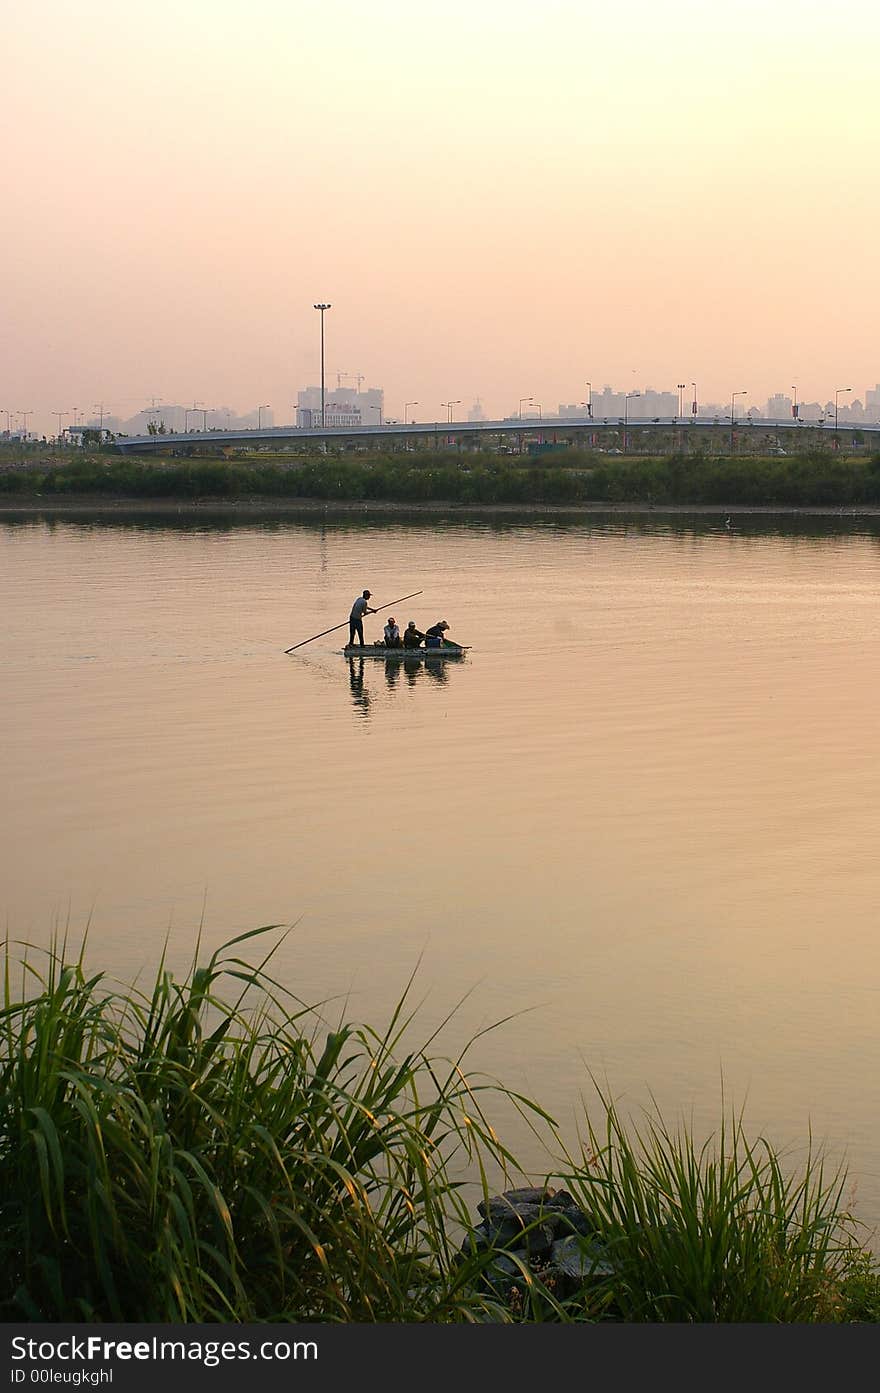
{"type": "Point", "coordinates": [359, 693]}
{"type": "Point", "coordinates": [400, 672]}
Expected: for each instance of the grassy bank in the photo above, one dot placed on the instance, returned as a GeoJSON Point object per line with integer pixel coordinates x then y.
{"type": "Point", "coordinates": [814, 479]}
{"type": "Point", "coordinates": [202, 1152]}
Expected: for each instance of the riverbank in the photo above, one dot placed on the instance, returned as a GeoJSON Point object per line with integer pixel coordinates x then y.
{"type": "Point", "coordinates": [573, 481]}
{"type": "Point", "coordinates": [100, 503]}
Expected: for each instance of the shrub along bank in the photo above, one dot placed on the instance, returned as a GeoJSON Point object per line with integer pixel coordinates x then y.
{"type": "Point", "coordinates": [203, 1152]}
{"type": "Point", "coordinates": [814, 479]}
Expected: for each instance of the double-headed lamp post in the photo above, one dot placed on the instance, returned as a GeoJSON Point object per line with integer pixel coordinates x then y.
{"type": "Point", "coordinates": [406, 406]}
{"type": "Point", "coordinates": [449, 405]}
{"type": "Point", "coordinates": [626, 400]}
{"type": "Point", "coordinates": [837, 393]}
{"type": "Point", "coordinates": [681, 386]}
{"type": "Point", "coordinates": [322, 308]}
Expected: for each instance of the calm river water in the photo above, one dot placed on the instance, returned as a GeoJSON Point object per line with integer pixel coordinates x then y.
{"type": "Point", "coordinates": [641, 817]}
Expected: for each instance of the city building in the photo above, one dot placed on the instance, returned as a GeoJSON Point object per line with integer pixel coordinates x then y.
{"type": "Point", "coordinates": [343, 406]}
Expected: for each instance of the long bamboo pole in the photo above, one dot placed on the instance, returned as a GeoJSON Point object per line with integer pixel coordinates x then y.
{"type": "Point", "coordinates": [345, 621]}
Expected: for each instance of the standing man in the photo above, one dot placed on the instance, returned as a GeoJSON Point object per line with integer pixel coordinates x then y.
{"type": "Point", "coordinates": [356, 618]}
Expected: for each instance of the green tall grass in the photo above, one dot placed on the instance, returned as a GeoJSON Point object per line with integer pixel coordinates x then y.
{"type": "Point", "coordinates": [716, 1233]}
{"type": "Point", "coordinates": [203, 1151]}
{"type": "Point", "coordinates": [814, 478]}
{"type": "Point", "coordinates": [197, 1153]}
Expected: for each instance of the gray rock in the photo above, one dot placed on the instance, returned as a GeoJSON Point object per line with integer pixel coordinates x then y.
{"type": "Point", "coordinates": [580, 1261]}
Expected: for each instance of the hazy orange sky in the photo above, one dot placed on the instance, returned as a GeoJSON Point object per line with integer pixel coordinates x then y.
{"type": "Point", "coordinates": [499, 200]}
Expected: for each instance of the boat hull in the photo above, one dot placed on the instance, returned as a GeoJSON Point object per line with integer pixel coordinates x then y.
{"type": "Point", "coordinates": [378, 650]}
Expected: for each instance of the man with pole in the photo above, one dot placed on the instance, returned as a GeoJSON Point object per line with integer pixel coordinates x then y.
{"type": "Point", "coordinates": [356, 618]}
{"type": "Point", "coordinates": [355, 621]}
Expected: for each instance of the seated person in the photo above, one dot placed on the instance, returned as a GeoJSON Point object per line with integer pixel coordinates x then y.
{"type": "Point", "coordinates": [434, 635]}
{"type": "Point", "coordinates": [392, 634]}
{"type": "Point", "coordinates": [412, 636]}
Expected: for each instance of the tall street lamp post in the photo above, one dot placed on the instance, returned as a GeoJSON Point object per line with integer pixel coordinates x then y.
{"type": "Point", "coordinates": [837, 393]}
{"type": "Point", "coordinates": [589, 402]}
{"type": "Point", "coordinates": [694, 402]}
{"type": "Point", "coordinates": [59, 414]}
{"type": "Point", "coordinates": [449, 405]}
{"type": "Point", "coordinates": [24, 415]}
{"type": "Point", "coordinates": [733, 397]}
{"type": "Point", "coordinates": [626, 400]}
{"type": "Point", "coordinates": [794, 408]}
{"type": "Point", "coordinates": [406, 406]}
{"type": "Point", "coordinates": [265, 407]}
{"type": "Point", "coordinates": [681, 386]}
{"type": "Point", "coordinates": [322, 308]}
{"type": "Point", "coordinates": [527, 400]}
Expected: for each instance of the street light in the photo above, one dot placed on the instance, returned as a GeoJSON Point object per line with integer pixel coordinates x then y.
{"type": "Point", "coordinates": [681, 386]}
{"type": "Point", "coordinates": [59, 414]}
{"type": "Point", "coordinates": [626, 398]}
{"type": "Point", "coordinates": [265, 407]}
{"type": "Point", "coordinates": [406, 406]}
{"type": "Point", "coordinates": [837, 393]}
{"type": "Point", "coordinates": [794, 409]}
{"type": "Point", "coordinates": [733, 397]}
{"type": "Point", "coordinates": [537, 406]}
{"type": "Point", "coordinates": [694, 403]}
{"type": "Point", "coordinates": [187, 411]}
{"type": "Point", "coordinates": [322, 308]}
{"type": "Point", "coordinates": [589, 402]}
{"type": "Point", "coordinates": [449, 405]}
{"type": "Point", "coordinates": [521, 400]}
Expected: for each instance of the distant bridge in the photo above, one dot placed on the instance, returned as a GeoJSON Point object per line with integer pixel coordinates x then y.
{"type": "Point", "coordinates": [511, 432]}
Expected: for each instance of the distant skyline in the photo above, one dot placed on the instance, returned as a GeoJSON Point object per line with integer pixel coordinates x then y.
{"type": "Point", "coordinates": [496, 200]}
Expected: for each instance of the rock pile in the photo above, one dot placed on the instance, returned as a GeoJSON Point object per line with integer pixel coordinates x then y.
{"type": "Point", "coordinates": [543, 1230]}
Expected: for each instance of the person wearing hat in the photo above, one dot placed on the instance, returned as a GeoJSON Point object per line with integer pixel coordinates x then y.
{"type": "Point", "coordinates": [412, 637]}
{"type": "Point", "coordinates": [434, 635]}
{"type": "Point", "coordinates": [356, 618]}
{"type": "Point", "coordinates": [392, 634]}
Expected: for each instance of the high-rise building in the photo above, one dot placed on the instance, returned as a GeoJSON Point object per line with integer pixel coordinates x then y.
{"type": "Point", "coordinates": [343, 406]}
{"type": "Point", "coordinates": [780, 407]}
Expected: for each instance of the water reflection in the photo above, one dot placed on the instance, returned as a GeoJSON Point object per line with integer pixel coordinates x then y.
{"type": "Point", "coordinates": [329, 522]}
{"type": "Point", "coordinates": [400, 672]}
{"type": "Point", "coordinates": [359, 693]}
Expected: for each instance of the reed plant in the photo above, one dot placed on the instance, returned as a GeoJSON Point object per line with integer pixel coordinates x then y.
{"type": "Point", "coordinates": [199, 1153]}
{"type": "Point", "coordinates": [718, 1232]}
